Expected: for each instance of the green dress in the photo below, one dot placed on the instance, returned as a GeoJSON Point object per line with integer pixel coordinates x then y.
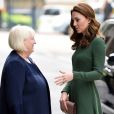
{"type": "Point", "coordinates": [88, 64]}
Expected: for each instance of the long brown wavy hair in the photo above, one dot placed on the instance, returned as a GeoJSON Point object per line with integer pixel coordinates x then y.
{"type": "Point", "coordinates": [92, 30]}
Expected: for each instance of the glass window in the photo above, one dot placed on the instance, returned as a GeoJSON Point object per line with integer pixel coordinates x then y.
{"type": "Point", "coordinates": [52, 12]}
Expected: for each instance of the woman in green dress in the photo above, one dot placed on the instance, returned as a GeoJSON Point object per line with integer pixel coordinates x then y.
{"type": "Point", "coordinates": [87, 62]}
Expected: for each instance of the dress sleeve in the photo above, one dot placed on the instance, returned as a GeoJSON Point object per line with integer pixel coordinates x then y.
{"type": "Point", "coordinates": [98, 58]}
{"type": "Point", "coordinates": [67, 87]}
{"type": "Point", "coordinates": [15, 77]}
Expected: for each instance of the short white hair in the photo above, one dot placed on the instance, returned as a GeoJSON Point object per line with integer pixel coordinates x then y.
{"type": "Point", "coordinates": [17, 36]}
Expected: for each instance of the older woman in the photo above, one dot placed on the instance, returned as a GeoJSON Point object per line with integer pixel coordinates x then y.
{"type": "Point", "coordinates": [24, 89]}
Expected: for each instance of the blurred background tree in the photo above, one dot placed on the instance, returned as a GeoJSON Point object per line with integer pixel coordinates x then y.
{"type": "Point", "coordinates": [22, 12]}
{"type": "Point", "coordinates": [27, 12]}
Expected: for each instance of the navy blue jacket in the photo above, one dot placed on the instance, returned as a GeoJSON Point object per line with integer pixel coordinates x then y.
{"type": "Point", "coordinates": [24, 89]}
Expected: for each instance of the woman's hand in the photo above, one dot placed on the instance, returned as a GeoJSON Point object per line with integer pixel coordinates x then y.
{"type": "Point", "coordinates": [63, 99]}
{"type": "Point", "coordinates": [63, 78]}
